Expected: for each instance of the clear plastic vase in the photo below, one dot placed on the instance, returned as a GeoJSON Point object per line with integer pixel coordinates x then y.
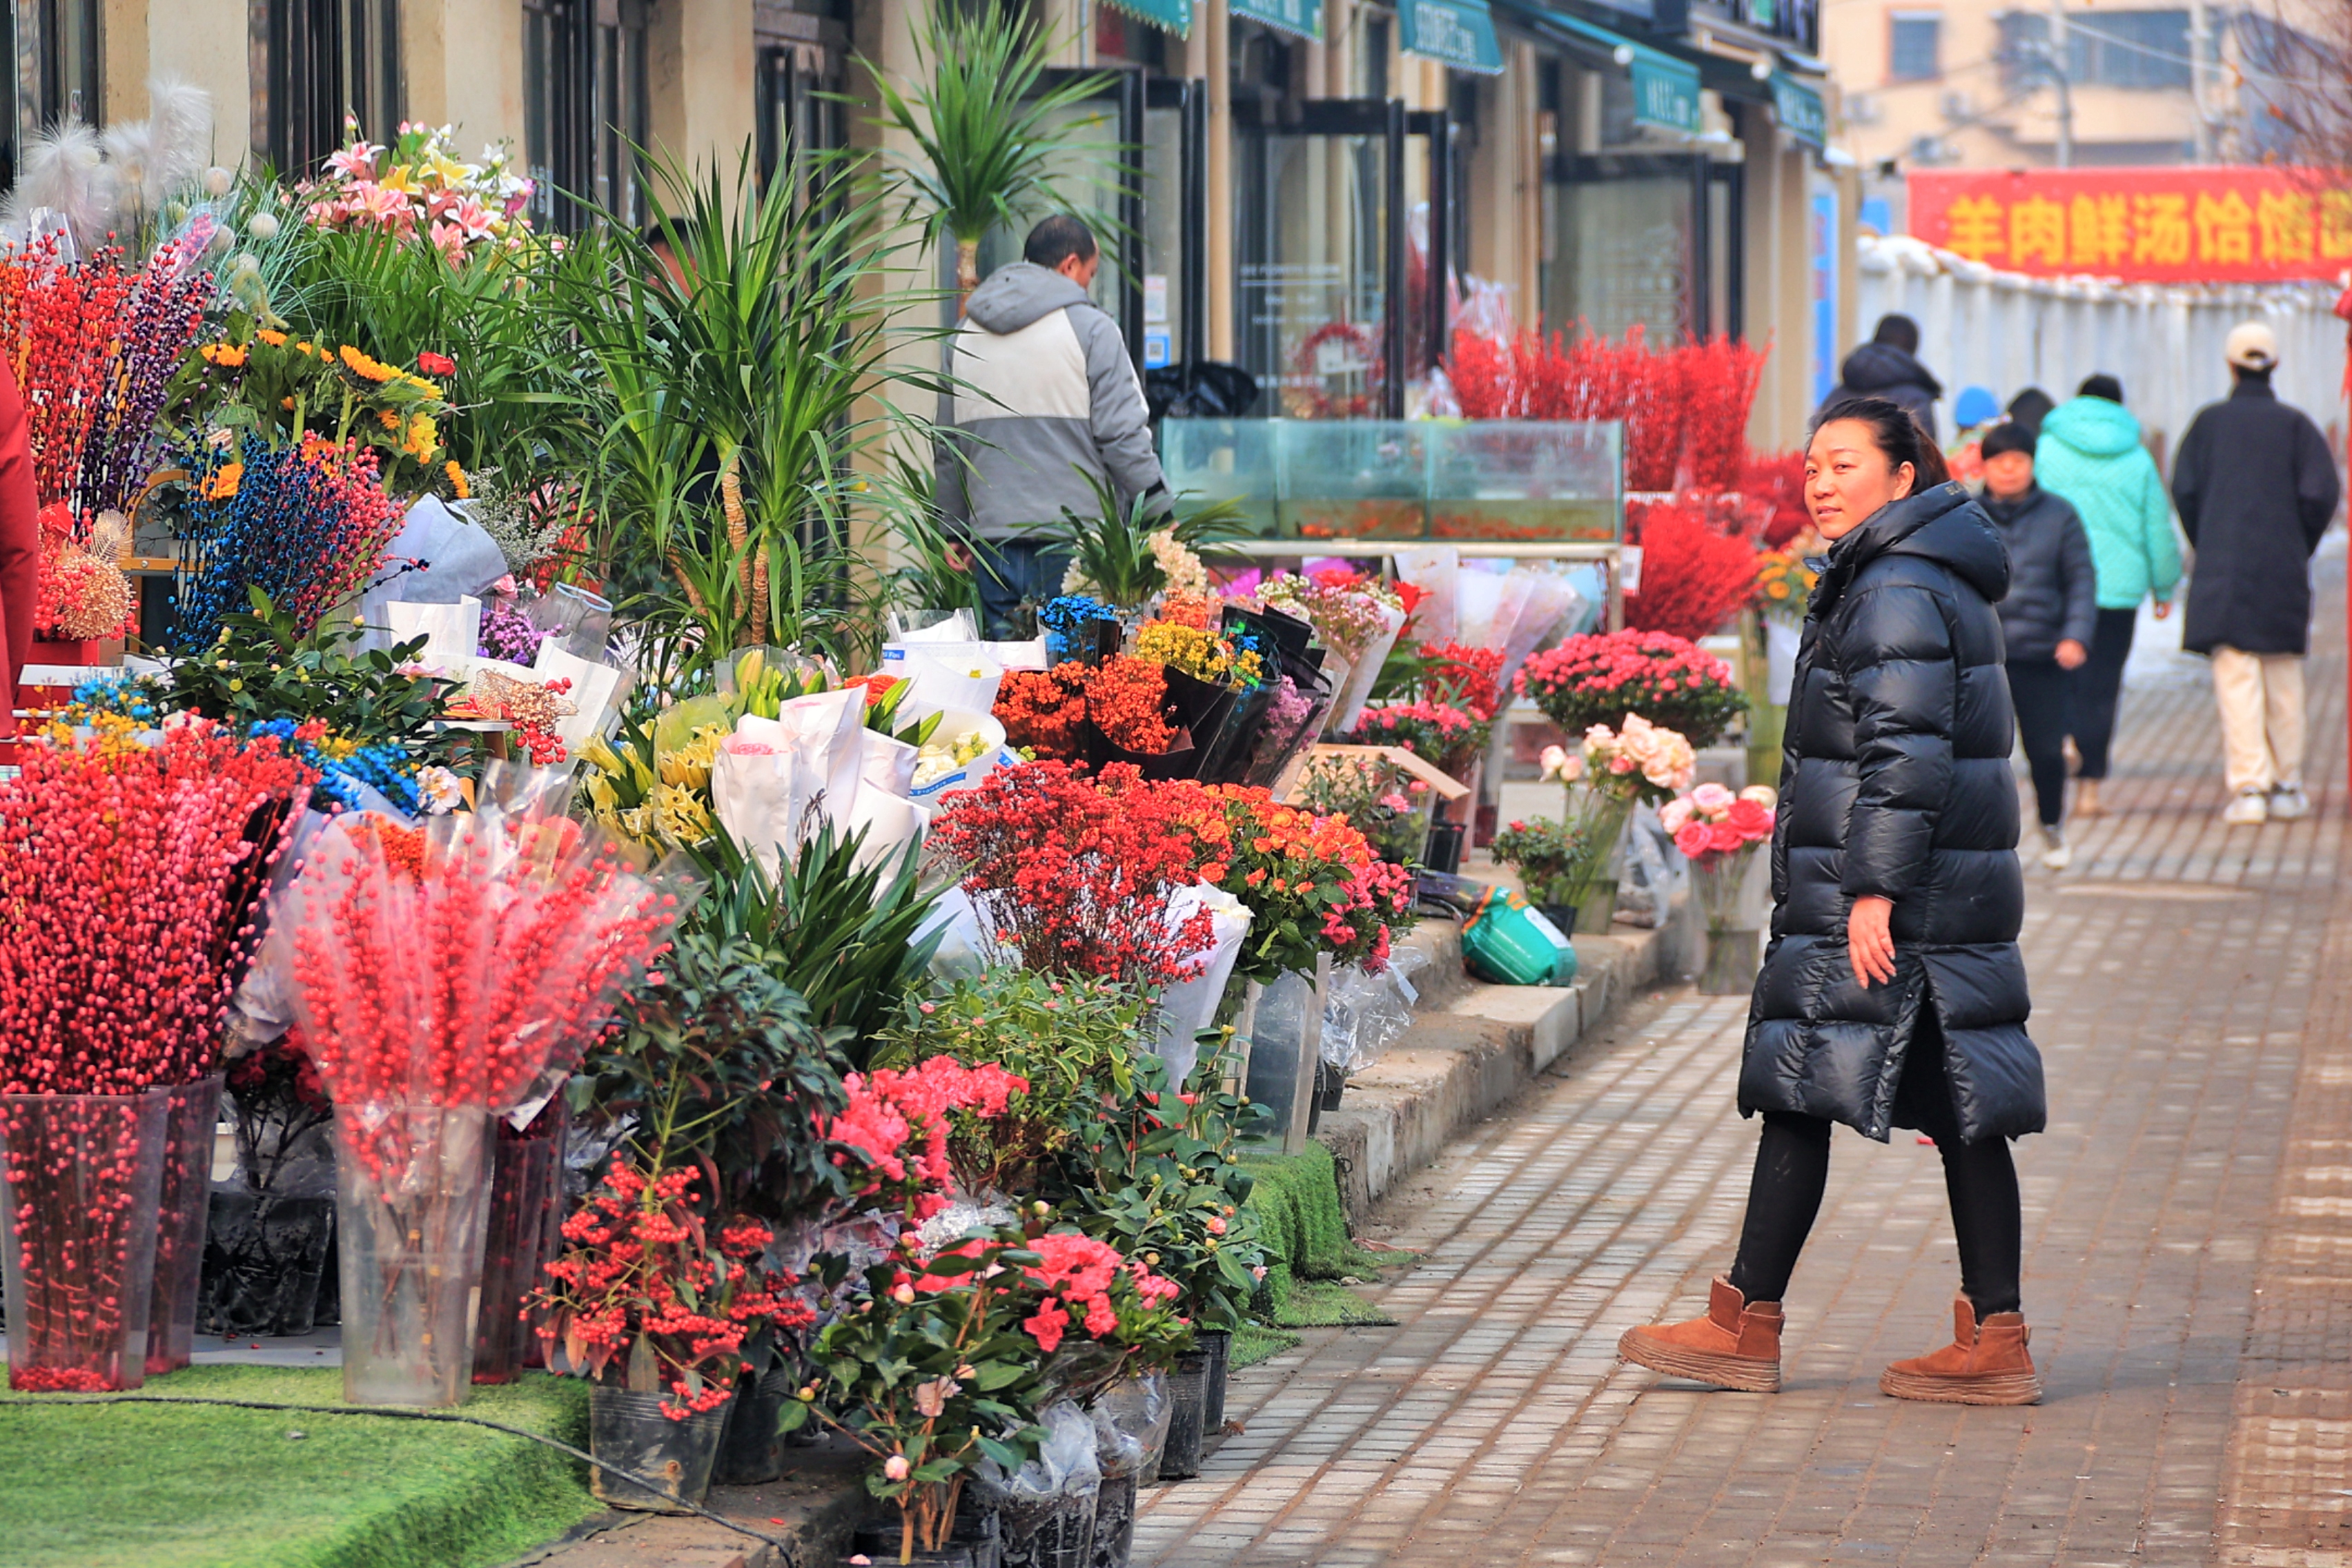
{"type": "Point", "coordinates": [80, 1177]}
{"type": "Point", "coordinates": [412, 1191]}
{"type": "Point", "coordinates": [185, 1199]}
{"type": "Point", "coordinates": [526, 1185]}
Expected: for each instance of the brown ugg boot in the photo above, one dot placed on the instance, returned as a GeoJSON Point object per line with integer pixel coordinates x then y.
{"type": "Point", "coordinates": [1736, 1345]}
{"type": "Point", "coordinates": [1986, 1364]}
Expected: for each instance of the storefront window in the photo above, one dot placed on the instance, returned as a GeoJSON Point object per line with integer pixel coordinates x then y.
{"type": "Point", "coordinates": [1311, 218]}
{"type": "Point", "coordinates": [1620, 255]}
{"type": "Point", "coordinates": [323, 60]}
{"type": "Point", "coordinates": [586, 105]}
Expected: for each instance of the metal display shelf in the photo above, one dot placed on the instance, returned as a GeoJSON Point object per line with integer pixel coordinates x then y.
{"type": "Point", "coordinates": [1612, 552]}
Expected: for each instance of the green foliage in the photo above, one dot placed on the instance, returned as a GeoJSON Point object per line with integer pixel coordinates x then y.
{"type": "Point", "coordinates": [1167, 1187]}
{"type": "Point", "coordinates": [1112, 549]}
{"type": "Point", "coordinates": [938, 1376]}
{"type": "Point", "coordinates": [755, 358]}
{"type": "Point", "coordinates": [720, 1065]}
{"type": "Point", "coordinates": [1550, 855]}
{"type": "Point", "coordinates": [987, 126]}
{"type": "Point", "coordinates": [841, 934]}
{"type": "Point", "coordinates": [1075, 1038]}
{"type": "Point", "coordinates": [262, 668]}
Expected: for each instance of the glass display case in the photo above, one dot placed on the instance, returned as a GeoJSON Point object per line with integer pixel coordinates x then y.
{"type": "Point", "coordinates": [1482, 481]}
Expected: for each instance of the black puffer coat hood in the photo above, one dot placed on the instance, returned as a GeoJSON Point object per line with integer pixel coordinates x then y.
{"type": "Point", "coordinates": [1882, 370]}
{"type": "Point", "coordinates": [1896, 782]}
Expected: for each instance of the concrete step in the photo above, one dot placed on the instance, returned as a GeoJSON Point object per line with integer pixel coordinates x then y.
{"type": "Point", "coordinates": [1474, 1048]}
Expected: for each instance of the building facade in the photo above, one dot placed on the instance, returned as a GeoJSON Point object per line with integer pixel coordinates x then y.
{"type": "Point", "coordinates": [1303, 164]}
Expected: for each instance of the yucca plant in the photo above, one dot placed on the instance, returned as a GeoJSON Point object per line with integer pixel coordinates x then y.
{"type": "Point", "coordinates": [988, 132]}
{"type": "Point", "coordinates": [738, 440]}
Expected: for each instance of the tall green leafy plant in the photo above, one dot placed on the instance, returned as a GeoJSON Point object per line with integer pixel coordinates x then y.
{"type": "Point", "coordinates": [989, 133]}
{"type": "Point", "coordinates": [736, 439]}
{"type": "Point", "coordinates": [1112, 549]}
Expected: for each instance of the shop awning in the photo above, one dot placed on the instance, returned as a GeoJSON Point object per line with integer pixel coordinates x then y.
{"type": "Point", "coordinates": [1169, 15]}
{"type": "Point", "coordinates": [1665, 90]}
{"type": "Point", "coordinates": [1798, 110]}
{"type": "Point", "coordinates": [1457, 33]}
{"type": "Point", "coordinates": [1304, 17]}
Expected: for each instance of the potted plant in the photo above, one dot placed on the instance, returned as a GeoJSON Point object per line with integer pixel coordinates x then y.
{"type": "Point", "coordinates": [1719, 832]}
{"type": "Point", "coordinates": [1550, 857]}
{"type": "Point", "coordinates": [1612, 773]}
{"type": "Point", "coordinates": [652, 1301]}
{"type": "Point", "coordinates": [1601, 678]}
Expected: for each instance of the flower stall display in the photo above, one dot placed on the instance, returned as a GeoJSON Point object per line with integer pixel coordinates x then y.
{"type": "Point", "coordinates": [1695, 575]}
{"type": "Point", "coordinates": [1552, 859]}
{"type": "Point", "coordinates": [1603, 677]}
{"type": "Point", "coordinates": [1719, 832]}
{"type": "Point", "coordinates": [415, 187]}
{"type": "Point", "coordinates": [1613, 772]}
{"type": "Point", "coordinates": [440, 977]}
{"type": "Point", "coordinates": [1378, 798]}
{"type": "Point", "coordinates": [134, 871]}
{"type": "Point", "coordinates": [1355, 615]}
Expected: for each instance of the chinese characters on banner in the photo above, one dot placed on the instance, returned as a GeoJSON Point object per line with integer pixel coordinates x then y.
{"type": "Point", "coordinates": [2236, 225]}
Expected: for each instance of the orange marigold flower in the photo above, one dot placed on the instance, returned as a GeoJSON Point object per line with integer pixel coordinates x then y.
{"type": "Point", "coordinates": [227, 354]}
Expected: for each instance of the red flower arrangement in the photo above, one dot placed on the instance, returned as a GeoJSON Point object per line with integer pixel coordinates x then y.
{"type": "Point", "coordinates": [1693, 577]}
{"type": "Point", "coordinates": [1074, 873]}
{"type": "Point", "coordinates": [897, 1121]}
{"type": "Point", "coordinates": [1468, 678]}
{"type": "Point", "coordinates": [1087, 1286]}
{"type": "Point", "coordinates": [646, 1295]}
{"type": "Point", "coordinates": [1042, 708]}
{"type": "Point", "coordinates": [1125, 699]}
{"type": "Point", "coordinates": [1440, 733]}
{"type": "Point", "coordinates": [1601, 678]}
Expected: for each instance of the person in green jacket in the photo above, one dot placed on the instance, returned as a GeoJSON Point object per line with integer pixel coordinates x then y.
{"type": "Point", "coordinates": [2090, 453]}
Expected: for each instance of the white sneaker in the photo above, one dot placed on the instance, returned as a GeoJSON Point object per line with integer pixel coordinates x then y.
{"type": "Point", "coordinates": [2252, 808]}
{"type": "Point", "coordinates": [2288, 803]}
{"type": "Point", "coordinates": [2056, 854]}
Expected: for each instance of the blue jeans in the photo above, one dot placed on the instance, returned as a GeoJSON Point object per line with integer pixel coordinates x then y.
{"type": "Point", "coordinates": [1016, 577]}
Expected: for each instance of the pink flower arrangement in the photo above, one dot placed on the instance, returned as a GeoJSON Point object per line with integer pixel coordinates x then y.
{"type": "Point", "coordinates": [1713, 822]}
{"type": "Point", "coordinates": [1601, 678]}
{"type": "Point", "coordinates": [1638, 759]}
{"type": "Point", "coordinates": [896, 1125]}
{"type": "Point", "coordinates": [416, 187]}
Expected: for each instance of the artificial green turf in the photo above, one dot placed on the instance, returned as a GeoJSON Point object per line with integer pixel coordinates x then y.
{"type": "Point", "coordinates": [1297, 1200]}
{"type": "Point", "coordinates": [147, 1486]}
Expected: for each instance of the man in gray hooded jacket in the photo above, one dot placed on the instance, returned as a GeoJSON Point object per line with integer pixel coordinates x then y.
{"type": "Point", "coordinates": [1043, 403]}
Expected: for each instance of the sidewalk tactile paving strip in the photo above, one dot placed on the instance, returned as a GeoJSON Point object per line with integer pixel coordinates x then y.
{"type": "Point", "coordinates": [2188, 1252]}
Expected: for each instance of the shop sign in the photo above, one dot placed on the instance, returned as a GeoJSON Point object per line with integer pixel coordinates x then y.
{"type": "Point", "coordinates": [1666, 93]}
{"type": "Point", "coordinates": [1798, 110]}
{"type": "Point", "coordinates": [2234, 225]}
{"type": "Point", "coordinates": [1169, 15]}
{"type": "Point", "coordinates": [1304, 17]}
{"type": "Point", "coordinates": [1458, 33]}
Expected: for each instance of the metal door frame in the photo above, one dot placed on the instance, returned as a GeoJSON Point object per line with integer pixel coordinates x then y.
{"type": "Point", "coordinates": [1126, 89]}
{"type": "Point", "coordinates": [1189, 96]}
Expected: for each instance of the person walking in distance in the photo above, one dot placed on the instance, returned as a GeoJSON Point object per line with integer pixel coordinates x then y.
{"type": "Point", "coordinates": [2091, 453]}
{"type": "Point", "coordinates": [1893, 993]}
{"type": "Point", "coordinates": [1042, 403]}
{"type": "Point", "coordinates": [1888, 366]}
{"type": "Point", "coordinates": [2047, 619]}
{"type": "Point", "coordinates": [2256, 489]}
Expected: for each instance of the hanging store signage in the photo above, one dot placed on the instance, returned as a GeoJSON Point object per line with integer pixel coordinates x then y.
{"type": "Point", "coordinates": [2236, 225]}
{"type": "Point", "coordinates": [1304, 17]}
{"type": "Point", "coordinates": [1798, 110]}
{"type": "Point", "coordinates": [1169, 15]}
{"type": "Point", "coordinates": [1458, 33]}
{"type": "Point", "coordinates": [1665, 90]}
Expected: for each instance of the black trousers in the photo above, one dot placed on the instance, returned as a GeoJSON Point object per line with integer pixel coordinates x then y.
{"type": "Point", "coordinates": [2043, 695]}
{"type": "Point", "coordinates": [1793, 1168]}
{"type": "Point", "coordinates": [2098, 688]}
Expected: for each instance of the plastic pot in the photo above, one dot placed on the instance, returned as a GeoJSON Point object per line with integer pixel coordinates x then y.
{"type": "Point", "coordinates": [1187, 1396]}
{"type": "Point", "coordinates": [525, 1184]}
{"type": "Point", "coordinates": [264, 1261]}
{"type": "Point", "coordinates": [1219, 1345]}
{"type": "Point", "coordinates": [183, 1206]}
{"type": "Point", "coordinates": [1731, 962]}
{"type": "Point", "coordinates": [628, 1432]}
{"type": "Point", "coordinates": [411, 1192]}
{"type": "Point", "coordinates": [752, 1452]}
{"type": "Point", "coordinates": [1048, 1532]}
{"type": "Point", "coordinates": [1113, 1540]}
{"type": "Point", "coordinates": [80, 1177]}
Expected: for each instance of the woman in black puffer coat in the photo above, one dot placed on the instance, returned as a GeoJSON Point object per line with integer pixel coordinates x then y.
{"type": "Point", "coordinates": [1893, 993]}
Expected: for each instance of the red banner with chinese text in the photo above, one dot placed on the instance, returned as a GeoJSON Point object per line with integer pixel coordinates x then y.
{"type": "Point", "coordinates": [2202, 225]}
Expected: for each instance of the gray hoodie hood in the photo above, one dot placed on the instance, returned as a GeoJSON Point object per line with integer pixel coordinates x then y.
{"type": "Point", "coordinates": [1013, 296]}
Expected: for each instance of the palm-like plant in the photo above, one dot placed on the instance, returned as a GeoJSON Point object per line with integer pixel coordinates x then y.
{"type": "Point", "coordinates": [987, 130]}
{"type": "Point", "coordinates": [738, 443]}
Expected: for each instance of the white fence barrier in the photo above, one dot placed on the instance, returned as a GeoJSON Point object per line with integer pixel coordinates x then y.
{"type": "Point", "coordinates": [2006, 332]}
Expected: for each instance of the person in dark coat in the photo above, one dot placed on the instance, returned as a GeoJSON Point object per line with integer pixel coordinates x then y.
{"type": "Point", "coordinates": [2029, 407]}
{"type": "Point", "coordinates": [2255, 490]}
{"type": "Point", "coordinates": [1893, 993]}
{"type": "Point", "coordinates": [1888, 366]}
{"type": "Point", "coordinates": [2047, 619]}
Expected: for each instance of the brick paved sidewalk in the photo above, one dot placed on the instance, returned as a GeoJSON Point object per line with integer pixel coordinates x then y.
{"type": "Point", "coordinates": [2189, 1264]}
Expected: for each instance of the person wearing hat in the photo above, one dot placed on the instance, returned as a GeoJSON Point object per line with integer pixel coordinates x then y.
{"type": "Point", "coordinates": [2046, 618]}
{"type": "Point", "coordinates": [2256, 489]}
{"type": "Point", "coordinates": [1976, 410]}
{"type": "Point", "coordinates": [2091, 453]}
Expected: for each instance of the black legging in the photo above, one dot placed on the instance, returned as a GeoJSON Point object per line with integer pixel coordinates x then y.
{"type": "Point", "coordinates": [1792, 1167]}
{"type": "Point", "coordinates": [2098, 688]}
{"type": "Point", "coordinates": [2041, 694]}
